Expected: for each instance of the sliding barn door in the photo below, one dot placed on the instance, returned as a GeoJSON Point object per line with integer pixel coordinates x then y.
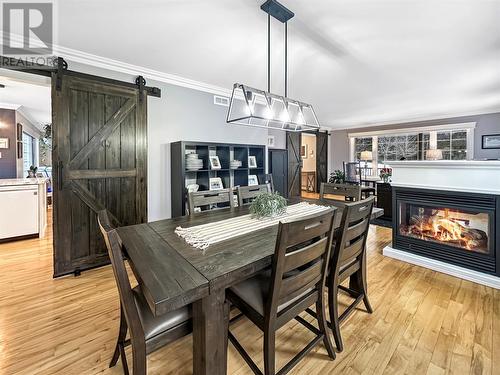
{"type": "Point", "coordinates": [99, 156]}
{"type": "Point", "coordinates": [321, 158]}
{"type": "Point", "coordinates": [293, 143]}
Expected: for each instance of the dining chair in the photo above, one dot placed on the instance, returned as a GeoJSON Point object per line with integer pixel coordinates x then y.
{"type": "Point", "coordinates": [209, 197]}
{"type": "Point", "coordinates": [352, 172]}
{"type": "Point", "coordinates": [268, 179]}
{"type": "Point", "coordinates": [295, 281]}
{"type": "Point", "coordinates": [147, 332]}
{"type": "Point", "coordinates": [246, 194]}
{"type": "Point", "coordinates": [348, 191]}
{"type": "Point", "coordinates": [348, 260]}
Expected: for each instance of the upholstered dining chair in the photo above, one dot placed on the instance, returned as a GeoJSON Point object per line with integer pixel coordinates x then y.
{"type": "Point", "coordinates": [246, 194]}
{"type": "Point", "coordinates": [348, 191]}
{"type": "Point", "coordinates": [209, 197]}
{"type": "Point", "coordinates": [295, 281]}
{"type": "Point", "coordinates": [348, 260]}
{"type": "Point", "coordinates": [147, 332]}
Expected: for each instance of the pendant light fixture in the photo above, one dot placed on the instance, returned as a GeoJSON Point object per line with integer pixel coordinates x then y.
{"type": "Point", "coordinates": [257, 108]}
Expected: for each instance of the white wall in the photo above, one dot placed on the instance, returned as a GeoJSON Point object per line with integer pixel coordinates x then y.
{"type": "Point", "coordinates": [181, 114]}
{"type": "Point", "coordinates": [31, 129]}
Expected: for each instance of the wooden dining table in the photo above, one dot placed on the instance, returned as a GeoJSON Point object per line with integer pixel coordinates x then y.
{"type": "Point", "coordinates": [172, 273]}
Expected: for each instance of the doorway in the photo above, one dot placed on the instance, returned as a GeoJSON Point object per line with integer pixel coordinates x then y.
{"type": "Point", "coordinates": [308, 154]}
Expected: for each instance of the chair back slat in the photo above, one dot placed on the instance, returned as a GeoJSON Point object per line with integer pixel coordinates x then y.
{"type": "Point", "coordinates": [298, 258]}
{"type": "Point", "coordinates": [351, 238]}
{"type": "Point", "coordinates": [246, 194]}
{"type": "Point", "coordinates": [352, 250]}
{"type": "Point", "coordinates": [298, 283]}
{"type": "Point", "coordinates": [348, 191]}
{"type": "Point", "coordinates": [301, 256]}
{"type": "Point", "coordinates": [206, 198]}
{"type": "Point", "coordinates": [115, 251]}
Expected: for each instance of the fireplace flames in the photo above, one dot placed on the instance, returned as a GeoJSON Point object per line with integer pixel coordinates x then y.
{"type": "Point", "coordinates": [442, 227]}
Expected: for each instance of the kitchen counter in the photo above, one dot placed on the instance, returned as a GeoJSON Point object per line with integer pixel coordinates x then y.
{"type": "Point", "coordinates": [23, 202]}
{"type": "Point", "coordinates": [23, 181]}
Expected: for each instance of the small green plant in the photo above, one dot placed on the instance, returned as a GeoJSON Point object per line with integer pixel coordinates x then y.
{"type": "Point", "coordinates": [337, 177]}
{"type": "Point", "coordinates": [268, 205]}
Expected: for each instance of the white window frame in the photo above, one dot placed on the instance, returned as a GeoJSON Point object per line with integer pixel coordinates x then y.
{"type": "Point", "coordinates": [433, 130]}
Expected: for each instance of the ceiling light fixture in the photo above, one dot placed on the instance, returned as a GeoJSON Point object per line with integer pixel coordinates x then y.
{"type": "Point", "coordinates": [257, 108]}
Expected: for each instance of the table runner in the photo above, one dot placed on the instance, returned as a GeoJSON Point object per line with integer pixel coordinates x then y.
{"type": "Point", "coordinates": [202, 236]}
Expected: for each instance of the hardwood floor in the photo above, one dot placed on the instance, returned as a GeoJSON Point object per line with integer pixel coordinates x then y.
{"type": "Point", "coordinates": [424, 323]}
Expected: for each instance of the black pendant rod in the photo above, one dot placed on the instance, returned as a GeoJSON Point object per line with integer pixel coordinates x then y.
{"type": "Point", "coordinates": [268, 53]}
{"type": "Point", "coordinates": [286, 59]}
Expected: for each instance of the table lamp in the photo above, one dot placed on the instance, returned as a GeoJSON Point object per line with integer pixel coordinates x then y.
{"type": "Point", "coordinates": [434, 154]}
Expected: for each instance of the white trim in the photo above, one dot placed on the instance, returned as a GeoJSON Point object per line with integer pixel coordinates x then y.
{"type": "Point", "coordinates": [449, 269]}
{"type": "Point", "coordinates": [451, 164]}
{"type": "Point", "coordinates": [418, 129]}
{"type": "Point", "coordinates": [70, 54]}
{"type": "Point", "coordinates": [448, 188]}
{"type": "Point", "coordinates": [10, 106]}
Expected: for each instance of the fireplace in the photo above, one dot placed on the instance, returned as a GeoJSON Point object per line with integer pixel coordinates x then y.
{"type": "Point", "coordinates": [454, 227]}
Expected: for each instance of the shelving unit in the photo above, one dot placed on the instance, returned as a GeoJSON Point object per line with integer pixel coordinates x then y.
{"type": "Point", "coordinates": [231, 178]}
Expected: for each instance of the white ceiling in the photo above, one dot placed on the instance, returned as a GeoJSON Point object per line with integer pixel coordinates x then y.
{"type": "Point", "coordinates": [27, 93]}
{"type": "Point", "coordinates": [358, 62]}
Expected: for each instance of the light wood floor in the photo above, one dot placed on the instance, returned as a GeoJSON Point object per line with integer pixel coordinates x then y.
{"type": "Point", "coordinates": [424, 322]}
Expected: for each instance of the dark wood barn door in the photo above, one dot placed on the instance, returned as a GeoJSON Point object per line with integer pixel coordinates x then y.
{"type": "Point", "coordinates": [293, 143]}
{"type": "Point", "coordinates": [278, 167]}
{"type": "Point", "coordinates": [321, 158]}
{"type": "Point", "coordinates": [99, 156]}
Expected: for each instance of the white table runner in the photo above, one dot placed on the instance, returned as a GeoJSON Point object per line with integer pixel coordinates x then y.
{"type": "Point", "coordinates": [202, 236]}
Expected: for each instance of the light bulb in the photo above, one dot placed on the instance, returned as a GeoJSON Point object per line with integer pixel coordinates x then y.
{"type": "Point", "coordinates": [300, 118]}
{"type": "Point", "coordinates": [268, 113]}
{"type": "Point", "coordinates": [285, 117]}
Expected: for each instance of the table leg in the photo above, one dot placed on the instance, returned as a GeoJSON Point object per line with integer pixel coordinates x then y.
{"type": "Point", "coordinates": [210, 324]}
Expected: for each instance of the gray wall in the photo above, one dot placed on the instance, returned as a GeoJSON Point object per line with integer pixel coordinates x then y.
{"type": "Point", "coordinates": [485, 124]}
{"type": "Point", "coordinates": [181, 114]}
{"type": "Point", "coordinates": [8, 162]}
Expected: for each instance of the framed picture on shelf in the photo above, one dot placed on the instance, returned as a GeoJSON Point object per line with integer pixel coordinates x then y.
{"type": "Point", "coordinates": [252, 180]}
{"type": "Point", "coordinates": [491, 141]}
{"type": "Point", "coordinates": [216, 183]}
{"type": "Point", "coordinates": [19, 132]}
{"type": "Point", "coordinates": [214, 162]}
{"type": "Point", "coordinates": [252, 162]}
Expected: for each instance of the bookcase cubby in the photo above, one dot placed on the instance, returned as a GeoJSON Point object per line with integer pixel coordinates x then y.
{"type": "Point", "coordinates": [181, 177]}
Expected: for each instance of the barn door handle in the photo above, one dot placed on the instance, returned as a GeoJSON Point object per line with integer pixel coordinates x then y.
{"type": "Point", "coordinates": [59, 175]}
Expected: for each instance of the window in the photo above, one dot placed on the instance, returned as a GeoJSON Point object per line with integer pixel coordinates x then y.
{"type": "Point", "coordinates": [455, 142]}
{"type": "Point", "coordinates": [28, 152]}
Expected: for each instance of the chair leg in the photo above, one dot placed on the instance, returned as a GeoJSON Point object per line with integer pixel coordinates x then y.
{"type": "Point", "coordinates": [323, 327]}
{"type": "Point", "coordinates": [139, 356]}
{"type": "Point", "coordinates": [334, 312]}
{"type": "Point", "coordinates": [362, 282]}
{"type": "Point", "coordinates": [269, 352]}
{"type": "Point", "coordinates": [122, 333]}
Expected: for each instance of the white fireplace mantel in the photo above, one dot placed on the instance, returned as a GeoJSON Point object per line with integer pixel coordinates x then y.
{"type": "Point", "coordinates": [456, 175]}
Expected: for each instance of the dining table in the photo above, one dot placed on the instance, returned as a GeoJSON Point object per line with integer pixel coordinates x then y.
{"type": "Point", "coordinates": [172, 273]}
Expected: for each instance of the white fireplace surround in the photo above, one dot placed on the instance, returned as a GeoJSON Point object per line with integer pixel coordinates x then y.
{"type": "Point", "coordinates": [454, 175]}
{"type": "Point", "coordinates": [465, 176]}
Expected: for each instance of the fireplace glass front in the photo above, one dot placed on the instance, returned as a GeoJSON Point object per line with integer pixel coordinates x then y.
{"type": "Point", "coordinates": [465, 229]}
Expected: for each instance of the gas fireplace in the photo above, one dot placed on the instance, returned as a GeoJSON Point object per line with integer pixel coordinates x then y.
{"type": "Point", "coordinates": [455, 227]}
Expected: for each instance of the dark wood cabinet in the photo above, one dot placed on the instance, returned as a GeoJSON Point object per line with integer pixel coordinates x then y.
{"type": "Point", "coordinates": [384, 200]}
{"type": "Point", "coordinates": [181, 176]}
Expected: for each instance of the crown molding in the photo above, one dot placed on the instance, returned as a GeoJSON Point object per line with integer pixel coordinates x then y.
{"type": "Point", "coordinates": [81, 57]}
{"type": "Point", "coordinates": [15, 107]}
{"type": "Point", "coordinates": [70, 54]}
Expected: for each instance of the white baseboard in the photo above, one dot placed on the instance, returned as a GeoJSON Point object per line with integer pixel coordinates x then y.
{"type": "Point", "coordinates": [450, 269]}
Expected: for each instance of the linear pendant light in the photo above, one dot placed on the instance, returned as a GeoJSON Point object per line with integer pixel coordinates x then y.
{"type": "Point", "coordinates": [257, 108]}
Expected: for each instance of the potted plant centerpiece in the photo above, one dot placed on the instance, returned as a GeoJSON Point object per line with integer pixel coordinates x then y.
{"type": "Point", "coordinates": [268, 205]}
